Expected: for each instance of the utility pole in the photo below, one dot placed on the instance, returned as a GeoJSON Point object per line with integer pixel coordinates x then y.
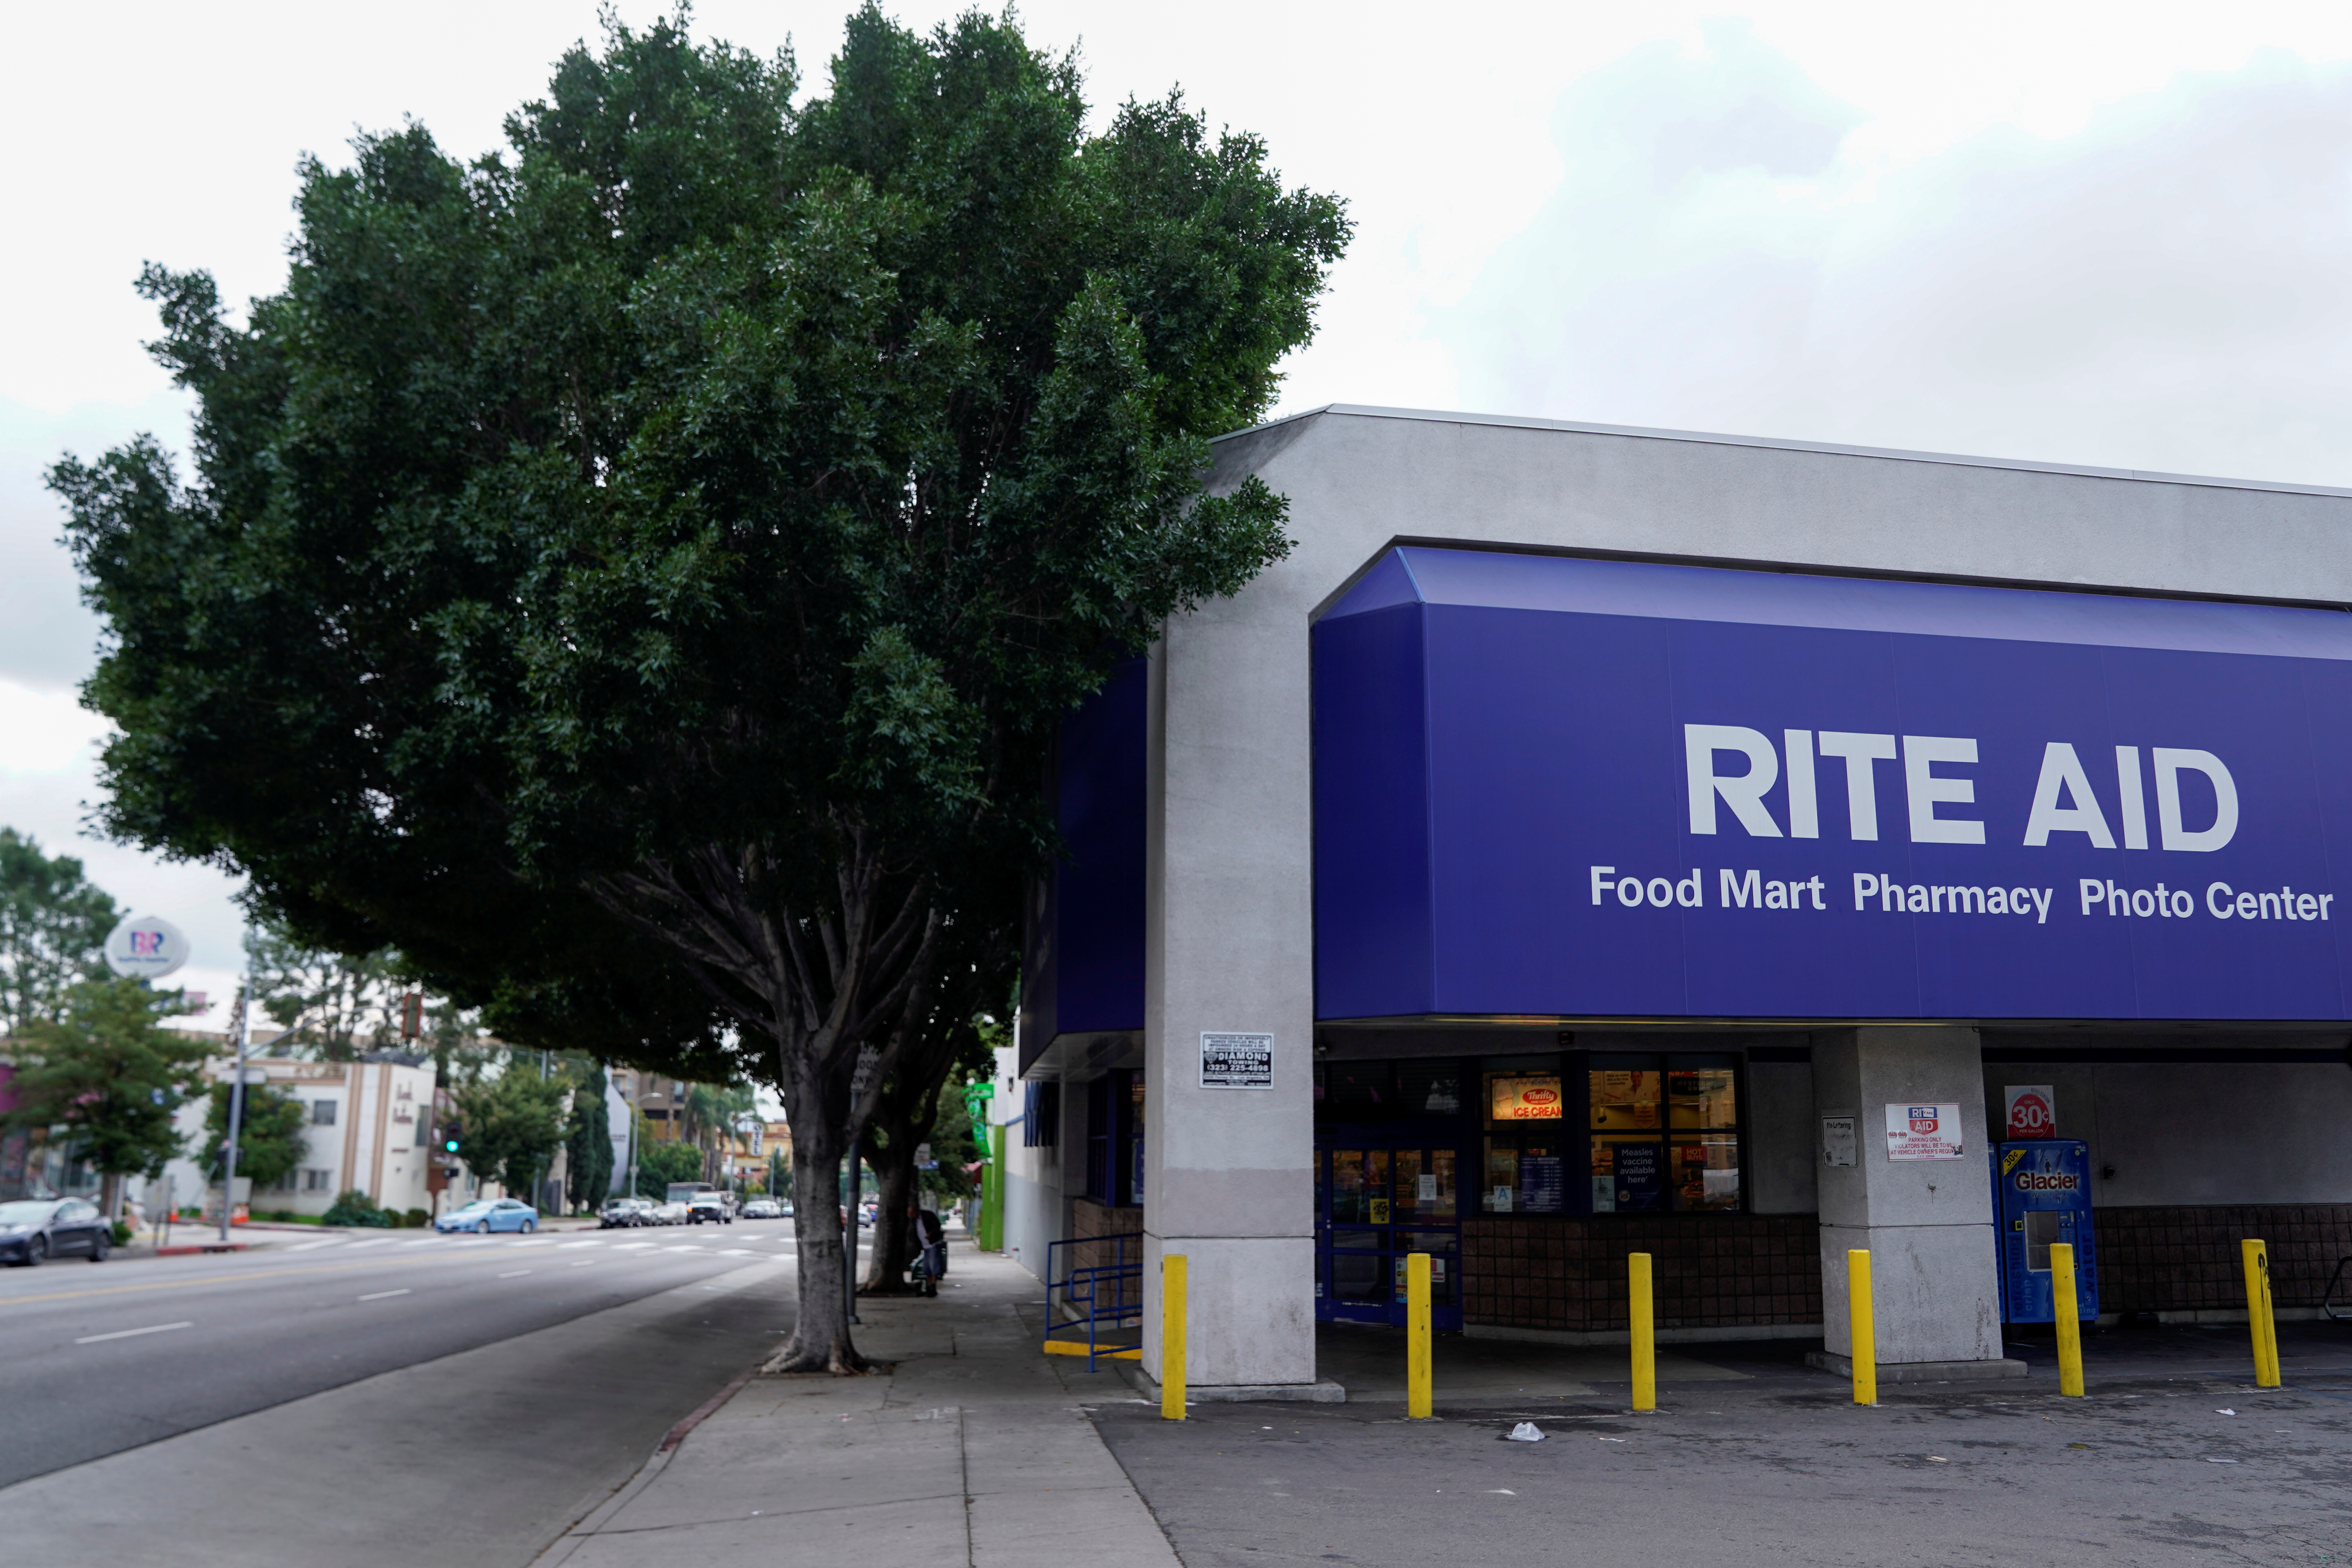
{"type": "Point", "coordinates": [236, 1098]}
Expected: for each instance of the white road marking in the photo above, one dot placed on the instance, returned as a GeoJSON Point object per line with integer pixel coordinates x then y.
{"type": "Point", "coordinates": [586, 1263]}
{"type": "Point", "coordinates": [314, 1245]}
{"type": "Point", "coordinates": [514, 1274]}
{"type": "Point", "coordinates": [380, 1295]}
{"type": "Point", "coordinates": [429, 1241]}
{"type": "Point", "coordinates": [372, 1241]}
{"type": "Point", "coordinates": [633, 1245]}
{"type": "Point", "coordinates": [569, 1245]}
{"type": "Point", "coordinates": [681, 1249]}
{"type": "Point", "coordinates": [737, 1252]}
{"type": "Point", "coordinates": [132, 1333]}
{"type": "Point", "coordinates": [537, 1241]}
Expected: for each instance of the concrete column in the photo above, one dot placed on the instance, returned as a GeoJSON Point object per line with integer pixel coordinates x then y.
{"type": "Point", "coordinates": [1228, 1174]}
{"type": "Point", "coordinates": [1928, 1224]}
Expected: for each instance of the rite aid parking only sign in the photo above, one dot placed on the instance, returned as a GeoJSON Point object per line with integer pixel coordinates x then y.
{"type": "Point", "coordinates": [1236, 1061]}
{"type": "Point", "coordinates": [1923, 1132]}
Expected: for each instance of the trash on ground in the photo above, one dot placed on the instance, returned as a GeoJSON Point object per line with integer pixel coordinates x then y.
{"type": "Point", "coordinates": [2225, 1413]}
{"type": "Point", "coordinates": [1937, 1459]}
{"type": "Point", "coordinates": [2212, 1460]}
{"type": "Point", "coordinates": [1524, 1432]}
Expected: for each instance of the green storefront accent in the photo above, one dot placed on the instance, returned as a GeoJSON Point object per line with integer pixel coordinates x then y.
{"type": "Point", "coordinates": [992, 1194]}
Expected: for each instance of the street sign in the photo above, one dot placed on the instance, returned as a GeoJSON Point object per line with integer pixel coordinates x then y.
{"type": "Point", "coordinates": [147, 946]}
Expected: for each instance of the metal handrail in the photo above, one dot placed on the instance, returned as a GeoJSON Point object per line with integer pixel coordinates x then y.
{"type": "Point", "coordinates": [2327, 1296]}
{"type": "Point", "coordinates": [1090, 1293]}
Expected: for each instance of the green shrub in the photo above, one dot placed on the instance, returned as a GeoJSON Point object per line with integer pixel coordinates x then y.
{"type": "Point", "coordinates": [355, 1208]}
{"type": "Point", "coordinates": [414, 1218]}
{"type": "Point", "coordinates": [121, 1233]}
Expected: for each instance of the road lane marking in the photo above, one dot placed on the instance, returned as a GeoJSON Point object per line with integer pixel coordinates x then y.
{"type": "Point", "coordinates": [634, 1246]}
{"type": "Point", "coordinates": [737, 1252]}
{"type": "Point", "coordinates": [132, 1333]}
{"type": "Point", "coordinates": [586, 1263]}
{"type": "Point", "coordinates": [374, 1241]}
{"type": "Point", "coordinates": [537, 1241]}
{"type": "Point", "coordinates": [514, 1274]}
{"type": "Point", "coordinates": [428, 1241]}
{"type": "Point", "coordinates": [681, 1249]}
{"type": "Point", "coordinates": [314, 1245]}
{"type": "Point", "coordinates": [380, 1295]}
{"type": "Point", "coordinates": [231, 1278]}
{"type": "Point", "coordinates": [569, 1245]}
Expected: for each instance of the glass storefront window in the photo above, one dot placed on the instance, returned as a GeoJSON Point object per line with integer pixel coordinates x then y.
{"type": "Point", "coordinates": [1665, 1134]}
{"type": "Point", "coordinates": [1706, 1172]}
{"type": "Point", "coordinates": [1701, 1097]}
{"type": "Point", "coordinates": [1513, 1098]}
{"type": "Point", "coordinates": [1623, 1100]}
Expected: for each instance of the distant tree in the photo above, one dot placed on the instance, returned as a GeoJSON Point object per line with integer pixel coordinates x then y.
{"type": "Point", "coordinates": [634, 575]}
{"type": "Point", "coordinates": [53, 929]}
{"type": "Point", "coordinates": [272, 1140]}
{"type": "Point", "coordinates": [513, 1124]}
{"type": "Point", "coordinates": [659, 1164]}
{"type": "Point", "coordinates": [589, 1169]}
{"type": "Point", "coordinates": [341, 1007]}
{"type": "Point", "coordinates": [107, 1078]}
{"type": "Point", "coordinates": [779, 1175]}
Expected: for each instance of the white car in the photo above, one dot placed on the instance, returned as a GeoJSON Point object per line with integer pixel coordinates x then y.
{"type": "Point", "coordinates": [669, 1214]}
{"type": "Point", "coordinates": [763, 1209]}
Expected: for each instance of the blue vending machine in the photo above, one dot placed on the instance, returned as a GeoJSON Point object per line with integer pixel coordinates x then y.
{"type": "Point", "coordinates": [2042, 1193]}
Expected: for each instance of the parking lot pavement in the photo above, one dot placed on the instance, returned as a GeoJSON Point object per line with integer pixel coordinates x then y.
{"type": "Point", "coordinates": [2173, 1458]}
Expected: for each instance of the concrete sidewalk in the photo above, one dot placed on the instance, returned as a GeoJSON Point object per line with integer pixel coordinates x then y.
{"type": "Point", "coordinates": [975, 1450]}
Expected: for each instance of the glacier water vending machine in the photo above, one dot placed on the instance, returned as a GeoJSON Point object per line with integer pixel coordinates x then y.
{"type": "Point", "coordinates": [2042, 1193]}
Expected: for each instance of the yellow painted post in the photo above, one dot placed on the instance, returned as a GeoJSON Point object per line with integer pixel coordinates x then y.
{"type": "Point", "coordinates": [2065, 1310]}
{"type": "Point", "coordinates": [1416, 1335]}
{"type": "Point", "coordinates": [1171, 1336]}
{"type": "Point", "coordinates": [1645, 1327]}
{"type": "Point", "coordinates": [2259, 1320]}
{"type": "Point", "coordinates": [1865, 1339]}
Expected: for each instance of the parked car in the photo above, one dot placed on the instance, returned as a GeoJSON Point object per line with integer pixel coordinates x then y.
{"type": "Point", "coordinates": [486, 1214]}
{"type": "Point", "coordinates": [711, 1206]}
{"type": "Point", "coordinates": [763, 1209]}
{"type": "Point", "coordinates": [621, 1214]}
{"type": "Point", "coordinates": [669, 1214]}
{"type": "Point", "coordinates": [785, 1207]}
{"type": "Point", "coordinates": [33, 1230]}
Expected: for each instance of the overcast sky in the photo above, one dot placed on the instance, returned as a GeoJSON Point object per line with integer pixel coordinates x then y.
{"type": "Point", "coordinates": [2117, 235]}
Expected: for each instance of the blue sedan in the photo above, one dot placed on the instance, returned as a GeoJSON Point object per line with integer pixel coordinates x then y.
{"type": "Point", "coordinates": [486, 1214]}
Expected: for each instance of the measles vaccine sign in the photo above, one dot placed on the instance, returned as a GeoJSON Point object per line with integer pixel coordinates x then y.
{"type": "Point", "coordinates": [1615, 788]}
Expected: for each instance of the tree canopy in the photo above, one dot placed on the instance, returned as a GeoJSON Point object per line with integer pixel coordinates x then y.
{"type": "Point", "coordinates": [637, 574]}
{"type": "Point", "coordinates": [53, 928]}
{"type": "Point", "coordinates": [106, 1074]}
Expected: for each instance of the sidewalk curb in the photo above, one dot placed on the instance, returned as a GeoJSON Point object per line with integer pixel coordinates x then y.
{"type": "Point", "coordinates": [585, 1527]}
{"type": "Point", "coordinates": [704, 1411]}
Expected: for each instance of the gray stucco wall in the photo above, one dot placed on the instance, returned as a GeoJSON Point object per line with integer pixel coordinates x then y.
{"type": "Point", "coordinates": [2200, 1132]}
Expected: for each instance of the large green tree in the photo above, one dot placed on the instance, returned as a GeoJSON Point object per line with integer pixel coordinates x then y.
{"type": "Point", "coordinates": [588, 1141]}
{"type": "Point", "coordinates": [637, 574]}
{"type": "Point", "coordinates": [273, 1134]}
{"type": "Point", "coordinates": [106, 1077]}
{"type": "Point", "coordinates": [53, 929]}
{"type": "Point", "coordinates": [512, 1125]}
{"type": "Point", "coordinates": [339, 1006]}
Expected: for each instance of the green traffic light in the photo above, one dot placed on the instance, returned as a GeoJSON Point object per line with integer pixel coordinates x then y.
{"type": "Point", "coordinates": [451, 1145]}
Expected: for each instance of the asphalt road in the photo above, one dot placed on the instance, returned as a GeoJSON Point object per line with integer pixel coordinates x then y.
{"type": "Point", "coordinates": [2172, 1462]}
{"type": "Point", "coordinates": [399, 1398]}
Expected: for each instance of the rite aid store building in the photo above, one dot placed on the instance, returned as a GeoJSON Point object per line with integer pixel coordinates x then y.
{"type": "Point", "coordinates": [1593, 841]}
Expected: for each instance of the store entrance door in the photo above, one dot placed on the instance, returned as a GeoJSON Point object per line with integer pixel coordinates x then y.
{"type": "Point", "coordinates": [1377, 1201]}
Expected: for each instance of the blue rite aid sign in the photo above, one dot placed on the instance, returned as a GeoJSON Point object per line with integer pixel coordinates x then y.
{"type": "Point", "coordinates": [1556, 787]}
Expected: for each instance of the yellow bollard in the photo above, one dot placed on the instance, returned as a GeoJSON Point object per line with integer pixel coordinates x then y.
{"type": "Point", "coordinates": [1416, 1335]}
{"type": "Point", "coordinates": [1644, 1336]}
{"type": "Point", "coordinates": [2259, 1320]}
{"type": "Point", "coordinates": [1171, 1336]}
{"type": "Point", "coordinates": [2065, 1311]}
{"type": "Point", "coordinates": [1864, 1342]}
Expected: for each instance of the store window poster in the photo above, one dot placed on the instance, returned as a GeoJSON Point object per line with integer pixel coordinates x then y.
{"type": "Point", "coordinates": [1640, 1179]}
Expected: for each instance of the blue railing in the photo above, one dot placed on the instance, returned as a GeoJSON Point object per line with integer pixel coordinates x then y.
{"type": "Point", "coordinates": [1085, 1292]}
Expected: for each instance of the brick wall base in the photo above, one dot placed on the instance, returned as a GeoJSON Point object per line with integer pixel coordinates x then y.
{"type": "Point", "coordinates": [1707, 1270]}
{"type": "Point", "coordinates": [2185, 1259]}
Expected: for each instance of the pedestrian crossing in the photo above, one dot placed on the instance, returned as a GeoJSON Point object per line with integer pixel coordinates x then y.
{"type": "Point", "coordinates": [753, 1246]}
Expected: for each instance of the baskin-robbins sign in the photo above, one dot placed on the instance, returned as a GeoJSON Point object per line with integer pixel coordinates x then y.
{"type": "Point", "coordinates": [1551, 786]}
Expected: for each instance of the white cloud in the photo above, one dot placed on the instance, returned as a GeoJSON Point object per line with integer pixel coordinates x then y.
{"type": "Point", "coordinates": [2158, 289]}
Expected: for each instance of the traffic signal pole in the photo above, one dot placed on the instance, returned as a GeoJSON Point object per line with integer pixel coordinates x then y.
{"type": "Point", "coordinates": [237, 1103]}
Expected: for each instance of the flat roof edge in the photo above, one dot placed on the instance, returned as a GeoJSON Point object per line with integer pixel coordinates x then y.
{"type": "Point", "coordinates": [1830, 448]}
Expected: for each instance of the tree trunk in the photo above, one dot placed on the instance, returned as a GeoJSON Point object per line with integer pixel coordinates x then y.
{"type": "Point", "coordinates": [894, 1164]}
{"type": "Point", "coordinates": [820, 1340]}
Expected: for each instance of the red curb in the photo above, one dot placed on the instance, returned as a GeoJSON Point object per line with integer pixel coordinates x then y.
{"type": "Point", "coordinates": [207, 1246]}
{"type": "Point", "coordinates": [677, 1433]}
